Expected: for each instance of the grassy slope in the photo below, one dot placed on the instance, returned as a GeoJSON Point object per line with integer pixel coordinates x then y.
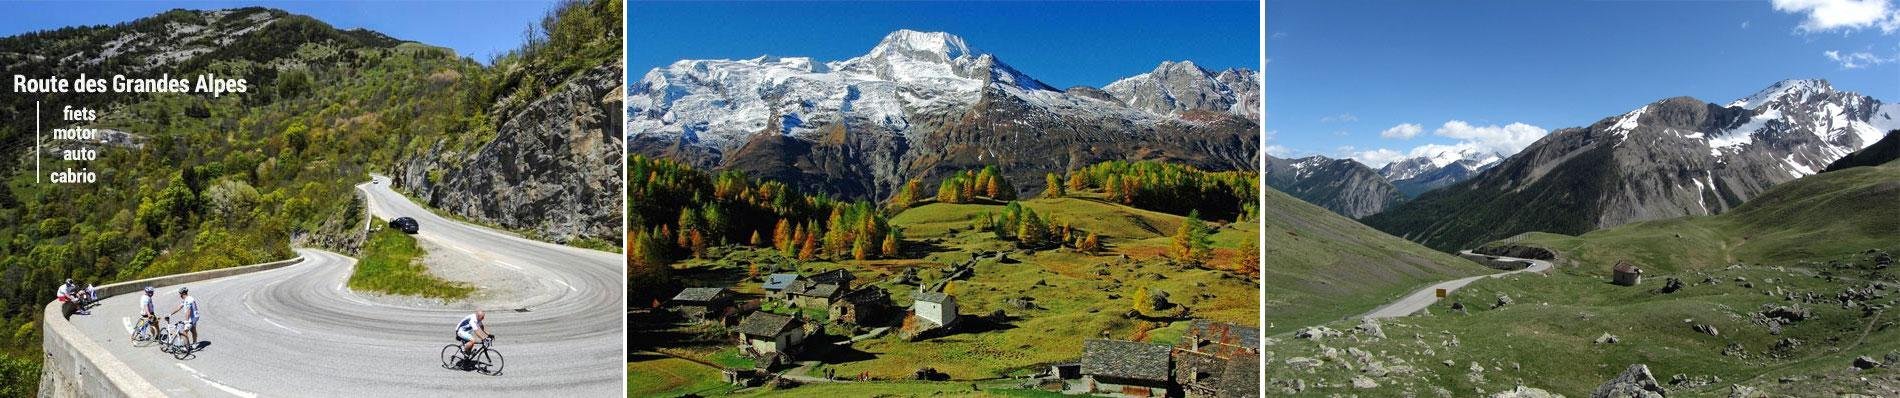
{"type": "Point", "coordinates": [1074, 300]}
{"type": "Point", "coordinates": [1322, 267]}
{"type": "Point", "coordinates": [391, 264]}
{"type": "Point", "coordinates": [1829, 214]}
{"type": "Point", "coordinates": [1782, 238]}
{"type": "Point", "coordinates": [672, 377]}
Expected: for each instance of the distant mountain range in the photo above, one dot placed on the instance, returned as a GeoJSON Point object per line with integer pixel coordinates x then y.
{"type": "Point", "coordinates": [925, 104]}
{"type": "Point", "coordinates": [1675, 157]}
{"type": "Point", "coordinates": [1341, 185]}
{"type": "Point", "coordinates": [1355, 190]}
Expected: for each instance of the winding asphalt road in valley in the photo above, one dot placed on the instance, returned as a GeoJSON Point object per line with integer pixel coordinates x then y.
{"type": "Point", "coordinates": [299, 331]}
{"type": "Point", "coordinates": [1422, 298]}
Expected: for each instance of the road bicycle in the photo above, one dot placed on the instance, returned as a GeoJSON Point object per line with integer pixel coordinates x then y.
{"type": "Point", "coordinates": [147, 332]}
{"type": "Point", "coordinates": [484, 359]}
{"type": "Point", "coordinates": [173, 340]}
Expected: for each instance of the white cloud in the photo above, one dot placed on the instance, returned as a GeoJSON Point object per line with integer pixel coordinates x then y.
{"type": "Point", "coordinates": [1343, 117]}
{"type": "Point", "coordinates": [1830, 15]}
{"type": "Point", "coordinates": [1507, 139]}
{"type": "Point", "coordinates": [1403, 131]}
{"type": "Point", "coordinates": [1472, 141]}
{"type": "Point", "coordinates": [1378, 157]}
{"type": "Point", "coordinates": [1857, 60]}
{"type": "Point", "coordinates": [1273, 149]}
{"type": "Point", "coordinates": [1744, 24]}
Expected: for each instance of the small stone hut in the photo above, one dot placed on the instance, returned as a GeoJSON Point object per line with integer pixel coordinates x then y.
{"type": "Point", "coordinates": [1626, 273]}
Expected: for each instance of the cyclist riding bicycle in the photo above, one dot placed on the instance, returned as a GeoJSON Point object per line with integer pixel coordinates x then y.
{"type": "Point", "coordinates": [471, 330]}
{"type": "Point", "coordinates": [148, 312]}
{"type": "Point", "coordinates": [190, 331]}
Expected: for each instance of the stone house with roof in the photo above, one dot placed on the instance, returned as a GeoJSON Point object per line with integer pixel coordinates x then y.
{"type": "Point", "coordinates": [702, 303]}
{"type": "Point", "coordinates": [1125, 368]}
{"type": "Point", "coordinates": [866, 306]}
{"type": "Point", "coordinates": [1217, 359]}
{"type": "Point", "coordinates": [770, 339]}
{"type": "Point", "coordinates": [775, 284]}
{"type": "Point", "coordinates": [807, 293]}
{"type": "Point", "coordinates": [1626, 273]}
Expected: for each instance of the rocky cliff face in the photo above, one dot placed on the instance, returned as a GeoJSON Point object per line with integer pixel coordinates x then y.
{"type": "Point", "coordinates": [923, 105]}
{"type": "Point", "coordinates": [1341, 185]}
{"type": "Point", "coordinates": [553, 168]}
{"type": "Point", "coordinates": [1672, 158]}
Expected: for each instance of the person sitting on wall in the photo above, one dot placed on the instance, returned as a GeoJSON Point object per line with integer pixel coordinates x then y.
{"type": "Point", "coordinates": [68, 294]}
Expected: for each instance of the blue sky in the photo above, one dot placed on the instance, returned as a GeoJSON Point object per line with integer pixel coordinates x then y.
{"type": "Point", "coordinates": [1062, 44]}
{"type": "Point", "coordinates": [1340, 74]}
{"type": "Point", "coordinates": [474, 29]}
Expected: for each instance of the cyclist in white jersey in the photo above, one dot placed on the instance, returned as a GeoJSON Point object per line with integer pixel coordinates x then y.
{"type": "Point", "coordinates": [471, 330]}
{"type": "Point", "coordinates": [191, 317]}
{"type": "Point", "coordinates": [148, 312]}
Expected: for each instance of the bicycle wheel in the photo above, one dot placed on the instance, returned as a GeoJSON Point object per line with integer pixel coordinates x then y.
{"type": "Point", "coordinates": [451, 355]}
{"type": "Point", "coordinates": [143, 335]}
{"type": "Point", "coordinates": [179, 346]}
{"type": "Point", "coordinates": [491, 362]}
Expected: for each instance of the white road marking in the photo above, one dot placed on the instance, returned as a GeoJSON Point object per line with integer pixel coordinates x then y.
{"type": "Point", "coordinates": [510, 266]}
{"type": "Point", "coordinates": [128, 324]}
{"type": "Point", "coordinates": [220, 386]}
{"type": "Point", "coordinates": [260, 315]}
{"type": "Point", "coordinates": [564, 283]}
{"type": "Point", "coordinates": [279, 325]}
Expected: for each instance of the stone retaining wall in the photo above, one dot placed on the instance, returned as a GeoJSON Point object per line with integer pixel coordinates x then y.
{"type": "Point", "coordinates": [77, 366]}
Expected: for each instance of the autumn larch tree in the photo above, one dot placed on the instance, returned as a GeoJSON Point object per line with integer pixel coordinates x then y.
{"type": "Point", "coordinates": [1053, 186]}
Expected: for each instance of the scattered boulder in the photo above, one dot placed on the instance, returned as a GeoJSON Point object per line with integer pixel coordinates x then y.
{"type": "Point", "coordinates": [1786, 313]}
{"type": "Point", "coordinates": [1302, 363]}
{"type": "Point", "coordinates": [1370, 327]}
{"type": "Point", "coordinates": [1362, 382]}
{"type": "Point", "coordinates": [1786, 345]}
{"type": "Point", "coordinates": [1735, 350]}
{"type": "Point", "coordinates": [1865, 362]}
{"type": "Point", "coordinates": [1607, 338]}
{"type": "Point", "coordinates": [1672, 285]}
{"type": "Point", "coordinates": [1634, 382]}
{"type": "Point", "coordinates": [1707, 329]}
{"type": "Point", "coordinates": [1503, 300]}
{"type": "Point", "coordinates": [1741, 391]}
{"type": "Point", "coordinates": [1525, 392]}
{"type": "Point", "coordinates": [1315, 333]}
{"type": "Point", "coordinates": [1681, 380]}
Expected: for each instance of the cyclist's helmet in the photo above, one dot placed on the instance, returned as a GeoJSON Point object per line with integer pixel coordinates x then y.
{"type": "Point", "coordinates": [69, 281]}
{"type": "Point", "coordinates": [184, 290]}
{"type": "Point", "coordinates": [148, 290]}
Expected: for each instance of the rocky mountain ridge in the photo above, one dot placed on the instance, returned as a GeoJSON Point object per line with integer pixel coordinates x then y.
{"type": "Point", "coordinates": [925, 104]}
{"type": "Point", "coordinates": [1342, 185]}
{"type": "Point", "coordinates": [1675, 157]}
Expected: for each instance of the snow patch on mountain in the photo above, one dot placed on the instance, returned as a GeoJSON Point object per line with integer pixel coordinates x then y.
{"type": "Point", "coordinates": [1800, 87]}
{"type": "Point", "coordinates": [906, 75]}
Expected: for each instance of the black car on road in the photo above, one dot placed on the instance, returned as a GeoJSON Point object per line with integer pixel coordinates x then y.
{"type": "Point", "coordinates": [405, 224]}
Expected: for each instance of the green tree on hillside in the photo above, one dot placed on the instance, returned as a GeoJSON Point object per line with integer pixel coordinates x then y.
{"type": "Point", "coordinates": [1191, 242]}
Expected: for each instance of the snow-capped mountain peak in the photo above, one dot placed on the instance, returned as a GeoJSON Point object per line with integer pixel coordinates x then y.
{"type": "Point", "coordinates": [1784, 88]}
{"type": "Point", "coordinates": [934, 46]}
{"type": "Point", "coordinates": [1174, 87]}
{"type": "Point", "coordinates": [1432, 159]}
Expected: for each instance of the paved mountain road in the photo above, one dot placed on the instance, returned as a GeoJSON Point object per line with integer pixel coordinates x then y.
{"type": "Point", "coordinates": [299, 331]}
{"type": "Point", "coordinates": [1422, 298]}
